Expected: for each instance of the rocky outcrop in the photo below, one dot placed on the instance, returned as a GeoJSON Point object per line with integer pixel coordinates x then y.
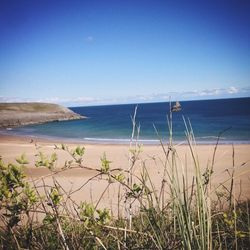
{"type": "Point", "coordinates": [19, 114]}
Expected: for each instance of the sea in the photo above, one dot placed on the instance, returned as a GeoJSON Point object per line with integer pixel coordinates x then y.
{"type": "Point", "coordinates": [112, 124]}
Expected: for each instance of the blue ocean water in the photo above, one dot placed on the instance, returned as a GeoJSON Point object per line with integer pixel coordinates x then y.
{"type": "Point", "coordinates": [112, 123]}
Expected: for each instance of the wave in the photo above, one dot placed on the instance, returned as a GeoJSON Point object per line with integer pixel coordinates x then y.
{"type": "Point", "coordinates": [199, 141]}
{"type": "Point", "coordinates": [120, 140]}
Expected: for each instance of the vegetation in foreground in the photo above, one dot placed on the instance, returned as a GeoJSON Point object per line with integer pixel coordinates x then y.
{"type": "Point", "coordinates": [179, 215]}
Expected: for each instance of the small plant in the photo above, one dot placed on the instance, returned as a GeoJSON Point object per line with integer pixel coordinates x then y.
{"type": "Point", "coordinates": [105, 168]}
{"type": "Point", "coordinates": [46, 161]}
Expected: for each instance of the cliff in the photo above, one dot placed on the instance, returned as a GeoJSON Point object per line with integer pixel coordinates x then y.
{"type": "Point", "coordinates": [19, 114]}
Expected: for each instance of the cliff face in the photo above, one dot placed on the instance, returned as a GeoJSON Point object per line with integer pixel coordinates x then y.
{"type": "Point", "coordinates": [19, 114]}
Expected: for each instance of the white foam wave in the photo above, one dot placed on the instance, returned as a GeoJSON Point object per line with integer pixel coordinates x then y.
{"type": "Point", "coordinates": [118, 140]}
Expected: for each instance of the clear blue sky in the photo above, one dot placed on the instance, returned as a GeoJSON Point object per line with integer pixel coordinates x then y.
{"type": "Point", "coordinates": [93, 52]}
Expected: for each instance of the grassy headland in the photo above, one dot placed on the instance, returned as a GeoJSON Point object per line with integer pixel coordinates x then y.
{"type": "Point", "coordinates": [18, 114]}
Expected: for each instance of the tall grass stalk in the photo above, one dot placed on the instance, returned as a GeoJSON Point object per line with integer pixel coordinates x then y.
{"type": "Point", "coordinates": [202, 201]}
{"type": "Point", "coordinates": [128, 204]}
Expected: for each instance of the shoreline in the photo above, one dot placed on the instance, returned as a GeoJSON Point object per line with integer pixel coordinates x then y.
{"type": "Point", "coordinates": [111, 141]}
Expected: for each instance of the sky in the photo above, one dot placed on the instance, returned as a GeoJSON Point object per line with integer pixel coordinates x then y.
{"type": "Point", "coordinates": [104, 52]}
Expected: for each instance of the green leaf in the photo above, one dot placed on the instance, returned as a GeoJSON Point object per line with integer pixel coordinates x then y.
{"type": "Point", "coordinates": [80, 151]}
{"type": "Point", "coordinates": [136, 188]}
{"type": "Point", "coordinates": [53, 158]}
{"type": "Point", "coordinates": [55, 196]}
{"type": "Point", "coordinates": [119, 177]}
{"type": "Point", "coordinates": [103, 216]}
{"type": "Point", "coordinates": [22, 160]}
{"type": "Point", "coordinates": [105, 164]}
{"type": "Point", "coordinates": [86, 213]}
{"type": "Point", "coordinates": [45, 161]}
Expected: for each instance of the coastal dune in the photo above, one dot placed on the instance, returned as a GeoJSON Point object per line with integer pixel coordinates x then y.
{"type": "Point", "coordinates": [19, 114]}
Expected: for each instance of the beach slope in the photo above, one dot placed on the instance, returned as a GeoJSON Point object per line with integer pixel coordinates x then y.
{"type": "Point", "coordinates": [227, 159]}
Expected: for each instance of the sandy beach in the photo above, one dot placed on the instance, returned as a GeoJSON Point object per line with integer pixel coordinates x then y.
{"type": "Point", "coordinates": [152, 156]}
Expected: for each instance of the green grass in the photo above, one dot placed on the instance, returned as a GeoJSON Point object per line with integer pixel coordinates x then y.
{"type": "Point", "coordinates": [30, 107]}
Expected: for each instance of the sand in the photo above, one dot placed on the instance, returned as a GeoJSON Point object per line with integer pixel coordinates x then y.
{"type": "Point", "coordinates": [152, 156]}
